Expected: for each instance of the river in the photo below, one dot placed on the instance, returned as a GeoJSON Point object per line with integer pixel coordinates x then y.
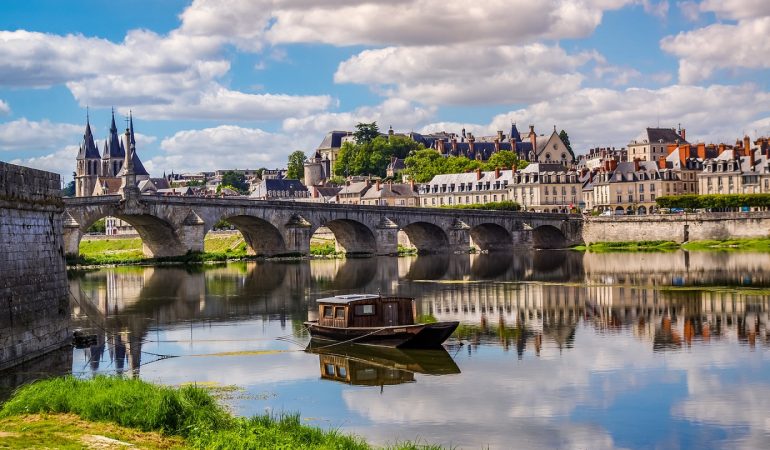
{"type": "Point", "coordinates": [556, 349]}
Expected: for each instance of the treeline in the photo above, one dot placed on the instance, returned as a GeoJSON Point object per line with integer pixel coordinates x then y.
{"type": "Point", "coordinates": [496, 206]}
{"type": "Point", "coordinates": [713, 201]}
{"type": "Point", "coordinates": [423, 165]}
{"type": "Point", "coordinates": [371, 153]}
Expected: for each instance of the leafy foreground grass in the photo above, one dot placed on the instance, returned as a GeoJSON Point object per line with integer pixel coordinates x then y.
{"type": "Point", "coordinates": [189, 412]}
{"type": "Point", "coordinates": [746, 245]}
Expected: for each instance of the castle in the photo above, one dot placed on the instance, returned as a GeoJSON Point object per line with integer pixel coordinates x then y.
{"type": "Point", "coordinates": [103, 174]}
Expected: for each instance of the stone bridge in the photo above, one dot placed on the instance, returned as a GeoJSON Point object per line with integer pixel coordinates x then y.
{"type": "Point", "coordinates": [173, 226]}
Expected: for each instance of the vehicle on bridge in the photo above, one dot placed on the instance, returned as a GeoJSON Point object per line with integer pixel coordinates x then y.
{"type": "Point", "coordinates": [376, 320]}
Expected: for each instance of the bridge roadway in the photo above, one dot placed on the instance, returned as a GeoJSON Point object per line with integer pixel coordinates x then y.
{"type": "Point", "coordinates": [173, 226]}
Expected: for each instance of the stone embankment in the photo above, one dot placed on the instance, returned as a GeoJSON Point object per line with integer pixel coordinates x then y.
{"type": "Point", "coordinates": [34, 301]}
{"type": "Point", "coordinates": [677, 227]}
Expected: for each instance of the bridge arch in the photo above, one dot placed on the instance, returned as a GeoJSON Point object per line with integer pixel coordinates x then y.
{"type": "Point", "coordinates": [159, 237]}
{"type": "Point", "coordinates": [262, 237]}
{"type": "Point", "coordinates": [426, 237]}
{"type": "Point", "coordinates": [491, 237]}
{"type": "Point", "coordinates": [548, 237]}
{"type": "Point", "coordinates": [352, 236]}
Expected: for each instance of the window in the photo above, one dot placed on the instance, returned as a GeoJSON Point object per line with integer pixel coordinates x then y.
{"type": "Point", "coordinates": [328, 312]}
{"type": "Point", "coordinates": [339, 312]}
{"type": "Point", "coordinates": [329, 369]}
{"type": "Point", "coordinates": [341, 371]}
{"type": "Point", "coordinates": [364, 310]}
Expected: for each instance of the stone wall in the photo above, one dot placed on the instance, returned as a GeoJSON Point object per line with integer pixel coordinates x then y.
{"type": "Point", "coordinates": [34, 302]}
{"type": "Point", "coordinates": [677, 227]}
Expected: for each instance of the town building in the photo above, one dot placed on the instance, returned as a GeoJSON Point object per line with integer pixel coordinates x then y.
{"type": "Point", "coordinates": [279, 189]}
{"type": "Point", "coordinates": [353, 191]}
{"type": "Point", "coordinates": [738, 169]}
{"type": "Point", "coordinates": [653, 143]}
{"type": "Point", "coordinates": [391, 194]}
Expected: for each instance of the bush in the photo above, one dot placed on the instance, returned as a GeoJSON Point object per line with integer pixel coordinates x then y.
{"type": "Point", "coordinates": [497, 206]}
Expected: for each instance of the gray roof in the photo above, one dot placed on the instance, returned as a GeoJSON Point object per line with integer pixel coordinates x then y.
{"type": "Point", "coordinates": [88, 148]}
{"type": "Point", "coordinates": [656, 135]}
{"type": "Point", "coordinates": [333, 139]}
{"type": "Point", "coordinates": [344, 299]}
{"type": "Point", "coordinates": [112, 147]}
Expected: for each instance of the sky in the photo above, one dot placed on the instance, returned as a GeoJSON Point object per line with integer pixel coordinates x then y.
{"type": "Point", "coordinates": [226, 84]}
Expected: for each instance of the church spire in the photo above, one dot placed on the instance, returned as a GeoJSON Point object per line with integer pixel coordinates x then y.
{"type": "Point", "coordinates": [88, 149]}
{"type": "Point", "coordinates": [131, 127]}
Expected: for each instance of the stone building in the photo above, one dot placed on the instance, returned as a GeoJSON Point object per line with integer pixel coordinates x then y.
{"type": "Point", "coordinates": [738, 169]}
{"type": "Point", "coordinates": [353, 191]}
{"type": "Point", "coordinates": [391, 194]}
{"type": "Point", "coordinates": [538, 187]}
{"type": "Point", "coordinates": [632, 187]}
{"type": "Point", "coordinates": [653, 143]}
{"type": "Point", "coordinates": [97, 174]}
{"type": "Point", "coordinates": [283, 189]}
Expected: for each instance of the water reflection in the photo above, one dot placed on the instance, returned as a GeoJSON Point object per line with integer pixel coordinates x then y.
{"type": "Point", "coordinates": [553, 345]}
{"type": "Point", "coordinates": [377, 366]}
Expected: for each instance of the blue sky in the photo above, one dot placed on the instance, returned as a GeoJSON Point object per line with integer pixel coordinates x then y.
{"type": "Point", "coordinates": [243, 83]}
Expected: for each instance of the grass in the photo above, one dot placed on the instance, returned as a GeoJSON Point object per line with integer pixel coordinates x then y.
{"type": "Point", "coordinates": [190, 413]}
{"type": "Point", "coordinates": [751, 245]}
{"type": "Point", "coordinates": [632, 246]}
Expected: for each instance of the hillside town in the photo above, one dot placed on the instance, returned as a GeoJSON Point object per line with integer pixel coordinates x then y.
{"type": "Point", "coordinates": [545, 175]}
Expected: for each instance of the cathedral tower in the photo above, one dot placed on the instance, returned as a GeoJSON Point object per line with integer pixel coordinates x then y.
{"type": "Point", "coordinates": [88, 168]}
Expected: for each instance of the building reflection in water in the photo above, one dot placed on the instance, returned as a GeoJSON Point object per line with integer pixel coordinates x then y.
{"type": "Point", "coordinates": [525, 301]}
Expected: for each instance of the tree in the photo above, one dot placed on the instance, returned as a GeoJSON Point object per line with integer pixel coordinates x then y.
{"type": "Point", "coordinates": [69, 189]}
{"type": "Point", "coordinates": [98, 227]}
{"type": "Point", "coordinates": [296, 167]}
{"type": "Point", "coordinates": [565, 138]}
{"type": "Point", "coordinates": [236, 180]}
{"type": "Point", "coordinates": [373, 157]}
{"type": "Point", "coordinates": [504, 159]}
{"type": "Point", "coordinates": [366, 132]}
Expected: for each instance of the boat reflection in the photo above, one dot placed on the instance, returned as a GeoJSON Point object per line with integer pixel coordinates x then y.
{"type": "Point", "coordinates": [366, 365]}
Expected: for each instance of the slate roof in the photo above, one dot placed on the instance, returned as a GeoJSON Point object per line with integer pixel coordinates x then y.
{"type": "Point", "coordinates": [88, 148]}
{"type": "Point", "coordinates": [356, 187]}
{"type": "Point", "coordinates": [390, 190]}
{"type": "Point", "coordinates": [656, 135]}
{"type": "Point", "coordinates": [333, 139]}
{"type": "Point", "coordinates": [112, 146]}
{"type": "Point", "coordinates": [138, 167]}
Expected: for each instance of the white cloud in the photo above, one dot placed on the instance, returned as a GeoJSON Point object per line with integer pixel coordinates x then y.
{"type": "Point", "coordinates": [436, 22]}
{"type": "Point", "coordinates": [62, 162]}
{"type": "Point", "coordinates": [657, 9]}
{"type": "Point", "coordinates": [736, 9]}
{"type": "Point", "coordinates": [25, 135]}
{"type": "Point", "coordinates": [601, 117]}
{"type": "Point", "coordinates": [690, 10]}
{"type": "Point", "coordinates": [467, 74]}
{"type": "Point", "coordinates": [4, 108]}
{"type": "Point", "coordinates": [699, 56]}
{"type": "Point", "coordinates": [225, 146]}
{"type": "Point", "coordinates": [241, 22]}
{"type": "Point", "coordinates": [398, 113]}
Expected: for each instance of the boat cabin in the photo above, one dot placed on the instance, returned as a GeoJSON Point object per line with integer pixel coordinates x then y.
{"type": "Point", "coordinates": [366, 310]}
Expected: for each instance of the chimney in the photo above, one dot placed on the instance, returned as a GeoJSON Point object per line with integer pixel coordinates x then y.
{"type": "Point", "coordinates": [684, 153]}
{"type": "Point", "coordinates": [411, 185]}
{"type": "Point", "coordinates": [497, 145]}
{"type": "Point", "coordinates": [613, 165]}
{"type": "Point", "coordinates": [454, 146]}
{"type": "Point", "coordinates": [499, 135]}
{"type": "Point", "coordinates": [684, 134]}
{"type": "Point", "coordinates": [478, 174]}
{"type": "Point", "coordinates": [513, 167]}
{"type": "Point", "coordinates": [533, 138]}
{"type": "Point", "coordinates": [497, 172]}
{"type": "Point", "coordinates": [661, 162]}
{"type": "Point", "coordinates": [751, 159]}
{"type": "Point", "coordinates": [440, 146]}
{"type": "Point", "coordinates": [701, 151]}
{"type": "Point", "coordinates": [721, 149]}
{"type": "Point", "coordinates": [378, 185]}
{"type": "Point", "coordinates": [636, 164]}
{"type": "Point", "coordinates": [746, 145]}
{"type": "Point", "coordinates": [315, 191]}
{"type": "Point", "coordinates": [463, 134]}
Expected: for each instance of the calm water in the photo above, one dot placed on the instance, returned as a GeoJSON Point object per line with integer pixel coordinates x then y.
{"type": "Point", "coordinates": [556, 349]}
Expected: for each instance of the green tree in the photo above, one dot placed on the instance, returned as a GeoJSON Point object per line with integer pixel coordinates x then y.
{"type": "Point", "coordinates": [402, 146]}
{"type": "Point", "coordinates": [504, 160]}
{"type": "Point", "coordinates": [236, 180]}
{"type": "Point", "coordinates": [69, 189]}
{"type": "Point", "coordinates": [366, 132]}
{"type": "Point", "coordinates": [99, 227]}
{"type": "Point", "coordinates": [565, 138]}
{"type": "Point", "coordinates": [296, 168]}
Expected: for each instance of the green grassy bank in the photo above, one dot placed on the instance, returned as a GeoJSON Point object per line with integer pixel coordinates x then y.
{"type": "Point", "coordinates": [216, 247]}
{"type": "Point", "coordinates": [746, 245]}
{"type": "Point", "coordinates": [40, 416]}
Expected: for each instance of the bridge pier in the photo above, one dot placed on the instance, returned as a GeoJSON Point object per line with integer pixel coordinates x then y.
{"type": "Point", "coordinates": [297, 238]}
{"type": "Point", "coordinates": [459, 235]}
{"type": "Point", "coordinates": [386, 236]}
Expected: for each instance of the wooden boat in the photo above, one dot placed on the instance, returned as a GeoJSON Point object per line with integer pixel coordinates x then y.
{"type": "Point", "coordinates": [376, 320]}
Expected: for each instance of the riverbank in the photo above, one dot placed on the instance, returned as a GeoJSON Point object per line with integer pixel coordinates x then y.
{"type": "Point", "coordinates": [746, 245]}
{"type": "Point", "coordinates": [114, 412]}
{"type": "Point", "coordinates": [217, 247]}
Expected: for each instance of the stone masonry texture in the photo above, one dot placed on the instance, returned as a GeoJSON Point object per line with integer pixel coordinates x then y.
{"type": "Point", "coordinates": [34, 300]}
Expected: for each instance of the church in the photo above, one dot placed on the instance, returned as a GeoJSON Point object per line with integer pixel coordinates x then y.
{"type": "Point", "coordinates": [103, 174]}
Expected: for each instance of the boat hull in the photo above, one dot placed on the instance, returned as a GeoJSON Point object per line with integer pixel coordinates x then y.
{"type": "Point", "coordinates": [423, 335]}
